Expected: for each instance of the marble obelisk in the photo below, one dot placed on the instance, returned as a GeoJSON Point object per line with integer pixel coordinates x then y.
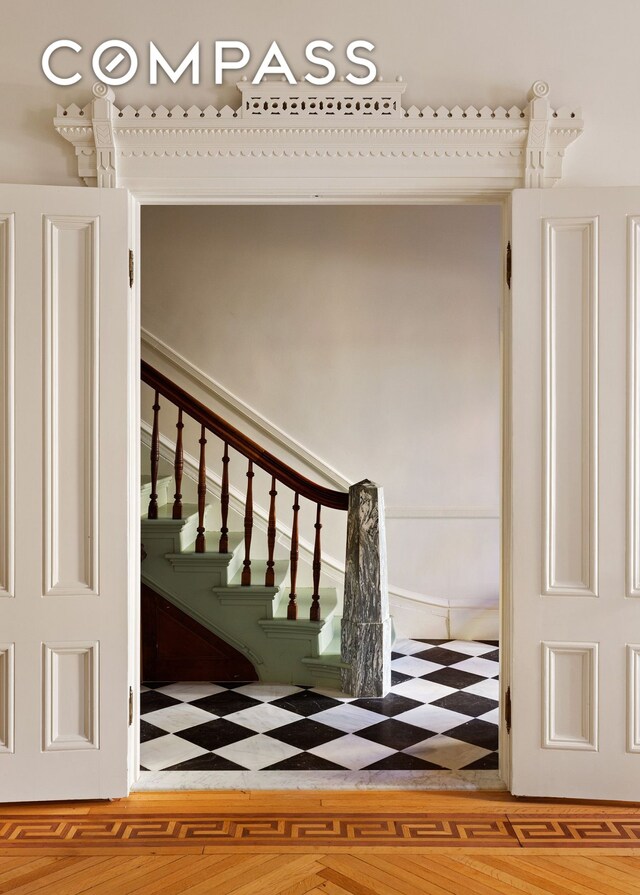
{"type": "Point", "coordinates": [366, 625]}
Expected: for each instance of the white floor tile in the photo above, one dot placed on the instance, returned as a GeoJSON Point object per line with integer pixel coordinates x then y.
{"type": "Point", "coordinates": [348, 718]}
{"type": "Point", "coordinates": [352, 752]}
{"type": "Point", "coordinates": [263, 717]}
{"type": "Point", "coordinates": [446, 752]}
{"type": "Point", "coordinates": [257, 752]}
{"type": "Point", "coordinates": [492, 717]}
{"type": "Point", "coordinates": [178, 717]}
{"type": "Point", "coordinates": [414, 666]}
{"type": "Point", "coordinates": [166, 751]}
{"type": "Point", "coordinates": [477, 665]}
{"type": "Point", "coordinates": [423, 691]}
{"type": "Point", "coordinates": [433, 718]}
{"type": "Point", "coordinates": [408, 647]}
{"type": "Point", "coordinates": [469, 647]}
{"type": "Point", "coordinates": [267, 692]}
{"type": "Point", "coordinates": [188, 691]}
{"type": "Point", "coordinates": [489, 688]}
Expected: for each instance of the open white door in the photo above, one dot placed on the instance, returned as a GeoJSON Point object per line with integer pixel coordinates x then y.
{"type": "Point", "coordinates": [575, 576]}
{"type": "Point", "coordinates": [63, 493]}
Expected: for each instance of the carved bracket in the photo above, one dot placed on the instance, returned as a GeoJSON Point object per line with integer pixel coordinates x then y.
{"type": "Point", "coordinates": [337, 131]}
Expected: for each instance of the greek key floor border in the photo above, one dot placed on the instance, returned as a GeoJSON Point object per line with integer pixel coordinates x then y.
{"type": "Point", "coordinates": [314, 829]}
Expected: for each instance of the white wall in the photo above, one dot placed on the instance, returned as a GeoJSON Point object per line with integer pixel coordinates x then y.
{"type": "Point", "coordinates": [449, 51]}
{"type": "Point", "coordinates": [370, 335]}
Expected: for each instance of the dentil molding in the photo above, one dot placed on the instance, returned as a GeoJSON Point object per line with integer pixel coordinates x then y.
{"type": "Point", "coordinates": [337, 131]}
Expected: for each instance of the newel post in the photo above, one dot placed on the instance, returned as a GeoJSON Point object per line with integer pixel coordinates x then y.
{"type": "Point", "coordinates": [366, 625]}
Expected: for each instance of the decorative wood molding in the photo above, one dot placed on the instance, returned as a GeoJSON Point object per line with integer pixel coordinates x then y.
{"type": "Point", "coordinates": [284, 130]}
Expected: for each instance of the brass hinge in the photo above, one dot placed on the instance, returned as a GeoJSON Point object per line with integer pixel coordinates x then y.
{"type": "Point", "coordinates": [508, 265]}
{"type": "Point", "coordinates": [130, 706]}
{"type": "Point", "coordinates": [507, 709]}
{"type": "Point", "coordinates": [131, 268]}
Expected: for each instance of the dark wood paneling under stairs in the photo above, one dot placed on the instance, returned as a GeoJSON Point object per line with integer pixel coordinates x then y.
{"type": "Point", "coordinates": [175, 647]}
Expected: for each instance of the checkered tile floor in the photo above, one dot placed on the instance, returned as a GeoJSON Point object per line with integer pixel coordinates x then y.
{"type": "Point", "coordinates": [441, 713]}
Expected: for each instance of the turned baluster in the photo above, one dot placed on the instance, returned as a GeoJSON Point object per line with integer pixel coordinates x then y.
{"type": "Point", "coordinates": [178, 466]}
{"type": "Point", "coordinates": [248, 527]}
{"type": "Point", "coordinates": [270, 575]}
{"type": "Point", "coordinates": [152, 512]}
{"type": "Point", "coordinates": [202, 493]}
{"type": "Point", "coordinates": [224, 502]}
{"type": "Point", "coordinates": [292, 608]}
{"type": "Point", "coordinates": [314, 614]}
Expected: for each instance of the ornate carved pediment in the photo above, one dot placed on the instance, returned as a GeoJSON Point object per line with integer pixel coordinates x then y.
{"type": "Point", "coordinates": [337, 131]}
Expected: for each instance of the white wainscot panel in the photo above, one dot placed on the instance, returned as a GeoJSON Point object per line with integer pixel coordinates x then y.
{"type": "Point", "coordinates": [570, 696]}
{"type": "Point", "coordinates": [7, 304]}
{"type": "Point", "coordinates": [570, 537]}
{"type": "Point", "coordinates": [71, 696]}
{"type": "Point", "coordinates": [633, 697]}
{"type": "Point", "coordinates": [633, 451]}
{"type": "Point", "coordinates": [7, 691]}
{"type": "Point", "coordinates": [71, 405]}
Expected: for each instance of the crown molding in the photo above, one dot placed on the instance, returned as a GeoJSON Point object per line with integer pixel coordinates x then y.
{"type": "Point", "coordinates": [333, 132]}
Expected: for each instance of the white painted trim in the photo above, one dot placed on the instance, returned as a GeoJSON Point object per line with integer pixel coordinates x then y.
{"type": "Point", "coordinates": [460, 149]}
{"type": "Point", "coordinates": [154, 348]}
{"type": "Point", "coordinates": [633, 697]}
{"type": "Point", "coordinates": [633, 416]}
{"type": "Point", "coordinates": [7, 697]}
{"type": "Point", "coordinates": [552, 738]}
{"type": "Point", "coordinates": [7, 384]}
{"type": "Point", "coordinates": [89, 688]}
{"type": "Point", "coordinates": [586, 584]}
{"type": "Point", "coordinates": [53, 226]}
{"type": "Point", "coordinates": [429, 512]}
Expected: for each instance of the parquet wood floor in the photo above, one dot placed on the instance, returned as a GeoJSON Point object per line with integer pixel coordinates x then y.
{"type": "Point", "coordinates": [303, 843]}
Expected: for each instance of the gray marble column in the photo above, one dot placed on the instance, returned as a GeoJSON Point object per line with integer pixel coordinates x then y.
{"type": "Point", "coordinates": [366, 625]}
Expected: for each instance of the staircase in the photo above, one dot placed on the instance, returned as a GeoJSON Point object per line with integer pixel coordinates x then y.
{"type": "Point", "coordinates": [252, 618]}
{"type": "Point", "coordinates": [198, 556]}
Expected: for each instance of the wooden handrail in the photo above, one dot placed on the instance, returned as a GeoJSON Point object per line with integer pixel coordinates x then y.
{"type": "Point", "coordinates": [337, 500]}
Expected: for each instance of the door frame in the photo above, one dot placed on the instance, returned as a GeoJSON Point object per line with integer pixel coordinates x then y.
{"type": "Point", "coordinates": [317, 191]}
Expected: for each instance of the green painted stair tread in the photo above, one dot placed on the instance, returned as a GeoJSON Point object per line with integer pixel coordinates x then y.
{"type": "Point", "coordinates": [165, 514]}
{"type": "Point", "coordinates": [258, 570]}
{"type": "Point", "coordinates": [162, 487]}
{"type": "Point", "coordinates": [212, 541]}
{"type": "Point", "coordinates": [328, 603]}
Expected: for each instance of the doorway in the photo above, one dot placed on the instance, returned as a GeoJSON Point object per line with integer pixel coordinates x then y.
{"type": "Point", "coordinates": [287, 292]}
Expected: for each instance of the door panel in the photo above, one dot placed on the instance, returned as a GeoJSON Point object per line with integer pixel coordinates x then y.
{"type": "Point", "coordinates": [63, 493]}
{"type": "Point", "coordinates": [575, 501]}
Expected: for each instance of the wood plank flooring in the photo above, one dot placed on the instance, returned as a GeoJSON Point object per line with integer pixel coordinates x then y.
{"type": "Point", "coordinates": [303, 843]}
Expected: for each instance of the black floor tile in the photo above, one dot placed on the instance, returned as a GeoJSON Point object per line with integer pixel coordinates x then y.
{"type": "Point", "coordinates": [441, 656]}
{"type": "Point", "coordinates": [395, 734]}
{"type": "Point", "coordinates": [154, 685]}
{"type": "Point", "coordinates": [150, 731]}
{"type": "Point", "coordinates": [151, 701]}
{"type": "Point", "coordinates": [476, 732]}
{"type": "Point", "coordinates": [493, 656]}
{"type": "Point", "coordinates": [225, 703]}
{"type": "Point", "coordinates": [305, 761]}
{"type": "Point", "coordinates": [215, 734]}
{"type": "Point", "coordinates": [208, 762]}
{"type": "Point", "coordinates": [402, 762]}
{"type": "Point", "coordinates": [486, 763]}
{"type": "Point", "coordinates": [390, 705]}
{"type": "Point", "coordinates": [304, 734]}
{"type": "Point", "coordinates": [398, 678]}
{"type": "Point", "coordinates": [306, 703]}
{"type": "Point", "coordinates": [466, 703]}
{"type": "Point", "coordinates": [453, 677]}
